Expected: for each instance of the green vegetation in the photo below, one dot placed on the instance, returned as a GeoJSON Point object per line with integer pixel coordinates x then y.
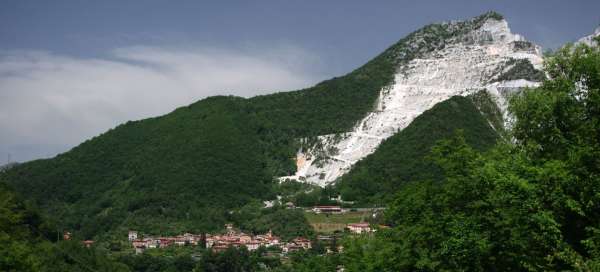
{"type": "Point", "coordinates": [180, 172]}
{"type": "Point", "coordinates": [489, 109]}
{"type": "Point", "coordinates": [304, 194]}
{"type": "Point", "coordinates": [531, 204]}
{"type": "Point", "coordinates": [329, 223]}
{"type": "Point", "coordinates": [29, 242]}
{"type": "Point", "coordinates": [527, 205]}
{"type": "Point", "coordinates": [185, 259]}
{"type": "Point", "coordinates": [403, 157]}
{"type": "Point", "coordinates": [187, 170]}
{"type": "Point", "coordinates": [521, 69]}
{"type": "Point", "coordinates": [26, 245]}
{"type": "Point", "coordinates": [287, 223]}
{"type": "Point", "coordinates": [309, 261]}
{"type": "Point", "coordinates": [158, 262]}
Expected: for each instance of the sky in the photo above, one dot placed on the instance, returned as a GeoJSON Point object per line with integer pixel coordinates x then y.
{"type": "Point", "coordinates": [70, 70]}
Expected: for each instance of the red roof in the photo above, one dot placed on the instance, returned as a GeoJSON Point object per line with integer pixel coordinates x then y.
{"type": "Point", "coordinates": [301, 239]}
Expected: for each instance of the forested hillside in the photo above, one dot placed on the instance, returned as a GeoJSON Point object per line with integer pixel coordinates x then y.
{"type": "Point", "coordinates": [162, 174]}
{"type": "Point", "coordinates": [26, 245]}
{"type": "Point", "coordinates": [403, 157]}
{"type": "Point", "coordinates": [187, 170]}
{"type": "Point", "coordinates": [532, 204]}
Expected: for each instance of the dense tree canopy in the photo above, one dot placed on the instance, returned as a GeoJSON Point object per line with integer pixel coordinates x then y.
{"type": "Point", "coordinates": [185, 171]}
{"type": "Point", "coordinates": [28, 242]}
{"type": "Point", "coordinates": [531, 205]}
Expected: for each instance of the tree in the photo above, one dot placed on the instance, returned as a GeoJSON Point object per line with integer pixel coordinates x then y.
{"type": "Point", "coordinates": [529, 205]}
{"type": "Point", "coordinates": [559, 124]}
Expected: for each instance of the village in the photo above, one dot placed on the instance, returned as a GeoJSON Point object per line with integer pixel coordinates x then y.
{"type": "Point", "coordinates": [235, 238]}
{"type": "Point", "coordinates": [219, 242]}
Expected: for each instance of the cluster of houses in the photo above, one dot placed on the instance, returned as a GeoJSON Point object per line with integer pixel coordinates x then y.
{"type": "Point", "coordinates": [86, 243]}
{"type": "Point", "coordinates": [219, 242]}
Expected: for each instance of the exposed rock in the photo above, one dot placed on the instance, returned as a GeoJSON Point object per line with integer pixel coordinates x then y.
{"type": "Point", "coordinates": [458, 65]}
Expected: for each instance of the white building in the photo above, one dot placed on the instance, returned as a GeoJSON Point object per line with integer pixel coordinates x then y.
{"type": "Point", "coordinates": [133, 235]}
{"type": "Point", "coordinates": [359, 228]}
{"type": "Point", "coordinates": [327, 209]}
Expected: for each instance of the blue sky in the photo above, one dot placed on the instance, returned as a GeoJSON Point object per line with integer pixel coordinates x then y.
{"type": "Point", "coordinates": [69, 70]}
{"type": "Point", "coordinates": [346, 33]}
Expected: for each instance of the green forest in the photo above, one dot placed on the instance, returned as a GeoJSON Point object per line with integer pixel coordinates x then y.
{"type": "Point", "coordinates": [532, 204]}
{"type": "Point", "coordinates": [461, 193]}
{"type": "Point", "coordinates": [215, 155]}
{"type": "Point", "coordinates": [403, 157]}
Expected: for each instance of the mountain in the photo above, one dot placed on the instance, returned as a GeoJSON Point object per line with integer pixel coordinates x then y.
{"type": "Point", "coordinates": [8, 166]}
{"type": "Point", "coordinates": [589, 39]}
{"type": "Point", "coordinates": [402, 158]}
{"type": "Point", "coordinates": [204, 154]}
{"type": "Point", "coordinates": [29, 242]}
{"type": "Point", "coordinates": [187, 170]}
{"type": "Point", "coordinates": [456, 58]}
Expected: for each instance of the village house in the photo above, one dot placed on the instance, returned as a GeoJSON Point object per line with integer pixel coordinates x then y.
{"type": "Point", "coordinates": [139, 250]}
{"type": "Point", "coordinates": [359, 228]}
{"type": "Point", "coordinates": [290, 247]}
{"type": "Point", "coordinates": [133, 235]}
{"type": "Point", "coordinates": [220, 248]}
{"type": "Point", "coordinates": [296, 244]}
{"type": "Point", "coordinates": [290, 205]}
{"type": "Point", "coordinates": [268, 239]}
{"type": "Point", "coordinates": [218, 243]}
{"type": "Point", "coordinates": [66, 236]}
{"type": "Point", "coordinates": [327, 209]}
{"type": "Point", "coordinates": [88, 243]}
{"type": "Point", "coordinates": [151, 242]}
{"type": "Point", "coordinates": [139, 245]}
{"type": "Point", "coordinates": [180, 241]}
{"type": "Point", "coordinates": [303, 242]}
{"type": "Point", "coordinates": [252, 245]}
{"type": "Point", "coordinates": [229, 229]}
{"type": "Point", "coordinates": [339, 200]}
{"type": "Point", "coordinates": [210, 241]}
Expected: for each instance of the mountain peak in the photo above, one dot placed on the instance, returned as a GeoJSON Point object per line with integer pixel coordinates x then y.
{"type": "Point", "coordinates": [488, 28]}
{"type": "Point", "coordinates": [490, 15]}
{"type": "Point", "coordinates": [432, 64]}
{"type": "Point", "coordinates": [589, 40]}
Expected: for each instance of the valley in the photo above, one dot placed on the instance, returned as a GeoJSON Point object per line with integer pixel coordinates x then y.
{"type": "Point", "coordinates": [461, 147]}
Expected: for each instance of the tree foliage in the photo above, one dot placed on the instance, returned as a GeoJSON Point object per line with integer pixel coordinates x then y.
{"type": "Point", "coordinates": [28, 242]}
{"type": "Point", "coordinates": [531, 205]}
{"type": "Point", "coordinates": [185, 171]}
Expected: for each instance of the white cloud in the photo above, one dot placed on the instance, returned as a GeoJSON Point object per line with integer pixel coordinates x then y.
{"type": "Point", "coordinates": [49, 102]}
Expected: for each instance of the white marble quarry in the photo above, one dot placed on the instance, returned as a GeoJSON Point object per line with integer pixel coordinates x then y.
{"type": "Point", "coordinates": [458, 69]}
{"type": "Point", "coordinates": [589, 39]}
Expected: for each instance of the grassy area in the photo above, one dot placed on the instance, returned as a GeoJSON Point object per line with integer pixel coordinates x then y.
{"type": "Point", "coordinates": [328, 223]}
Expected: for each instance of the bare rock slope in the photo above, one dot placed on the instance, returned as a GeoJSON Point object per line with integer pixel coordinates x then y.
{"type": "Point", "coordinates": [486, 57]}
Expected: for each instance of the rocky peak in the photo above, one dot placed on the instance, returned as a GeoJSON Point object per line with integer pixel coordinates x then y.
{"type": "Point", "coordinates": [432, 65]}
{"type": "Point", "coordinates": [488, 28]}
{"type": "Point", "coordinates": [589, 40]}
